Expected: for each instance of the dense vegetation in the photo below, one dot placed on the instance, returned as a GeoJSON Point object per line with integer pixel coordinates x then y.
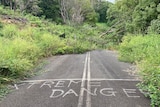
{"type": "Point", "coordinates": [144, 51]}
{"type": "Point", "coordinates": [138, 23]}
{"type": "Point", "coordinates": [21, 45]}
{"type": "Point", "coordinates": [131, 26]}
{"type": "Point", "coordinates": [24, 39]}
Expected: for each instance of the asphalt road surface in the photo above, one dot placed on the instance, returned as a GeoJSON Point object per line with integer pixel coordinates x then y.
{"type": "Point", "coordinates": [93, 79]}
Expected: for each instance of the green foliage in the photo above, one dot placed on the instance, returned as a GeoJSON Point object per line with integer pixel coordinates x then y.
{"type": "Point", "coordinates": [119, 16]}
{"type": "Point", "coordinates": [101, 8]}
{"type": "Point", "coordinates": [5, 11]}
{"type": "Point", "coordinates": [155, 26]}
{"type": "Point", "coordinates": [91, 17]}
{"type": "Point", "coordinates": [15, 59]}
{"type": "Point", "coordinates": [130, 46]}
{"type": "Point", "coordinates": [3, 91]}
{"type": "Point", "coordinates": [49, 44]}
{"type": "Point", "coordinates": [144, 13]}
{"type": "Point", "coordinates": [21, 48]}
{"type": "Point", "coordinates": [22, 45]}
{"type": "Point", "coordinates": [9, 31]}
{"type": "Point", "coordinates": [144, 51]}
{"type": "Point", "coordinates": [31, 6]}
{"type": "Point", "coordinates": [133, 16]}
{"type": "Point", "coordinates": [50, 9]}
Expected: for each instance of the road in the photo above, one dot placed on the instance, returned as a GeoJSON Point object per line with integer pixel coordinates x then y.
{"type": "Point", "coordinates": [93, 79]}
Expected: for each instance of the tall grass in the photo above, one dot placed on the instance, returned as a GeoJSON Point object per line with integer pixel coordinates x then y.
{"type": "Point", "coordinates": [22, 46]}
{"type": "Point", "coordinates": [9, 31]}
{"type": "Point", "coordinates": [145, 52]}
{"type": "Point", "coordinates": [17, 56]}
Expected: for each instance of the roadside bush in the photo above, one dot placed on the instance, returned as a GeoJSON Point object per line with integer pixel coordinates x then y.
{"type": "Point", "coordinates": [21, 48]}
{"type": "Point", "coordinates": [5, 11]}
{"type": "Point", "coordinates": [49, 44]}
{"type": "Point", "coordinates": [145, 52]}
{"type": "Point", "coordinates": [155, 26]}
{"type": "Point", "coordinates": [17, 56]}
{"type": "Point", "coordinates": [27, 33]}
{"type": "Point", "coordinates": [9, 31]}
{"type": "Point", "coordinates": [150, 73]}
{"type": "Point", "coordinates": [34, 21]}
{"type": "Point", "coordinates": [134, 48]}
{"type": "Point", "coordinates": [81, 47]}
{"type": "Point", "coordinates": [71, 46]}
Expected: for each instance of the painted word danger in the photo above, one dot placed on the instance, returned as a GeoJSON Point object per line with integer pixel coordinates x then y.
{"type": "Point", "coordinates": [64, 88]}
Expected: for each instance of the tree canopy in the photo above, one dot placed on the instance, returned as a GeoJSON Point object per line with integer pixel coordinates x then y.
{"type": "Point", "coordinates": [133, 16]}
{"type": "Point", "coordinates": [64, 11]}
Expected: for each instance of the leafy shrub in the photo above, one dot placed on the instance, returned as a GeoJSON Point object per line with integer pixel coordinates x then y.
{"type": "Point", "coordinates": [17, 56]}
{"type": "Point", "coordinates": [5, 11]}
{"type": "Point", "coordinates": [151, 84]}
{"type": "Point", "coordinates": [145, 52]}
{"type": "Point", "coordinates": [24, 49]}
{"type": "Point", "coordinates": [49, 44]}
{"type": "Point", "coordinates": [3, 91]}
{"type": "Point", "coordinates": [9, 31]}
{"type": "Point", "coordinates": [34, 21]}
{"type": "Point", "coordinates": [155, 26]}
{"type": "Point", "coordinates": [71, 46]}
{"type": "Point", "coordinates": [134, 48]}
{"type": "Point", "coordinates": [27, 33]}
{"type": "Point", "coordinates": [21, 47]}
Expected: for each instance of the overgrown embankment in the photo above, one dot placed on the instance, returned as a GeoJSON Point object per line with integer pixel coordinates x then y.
{"type": "Point", "coordinates": [24, 42]}
{"type": "Point", "coordinates": [145, 52]}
